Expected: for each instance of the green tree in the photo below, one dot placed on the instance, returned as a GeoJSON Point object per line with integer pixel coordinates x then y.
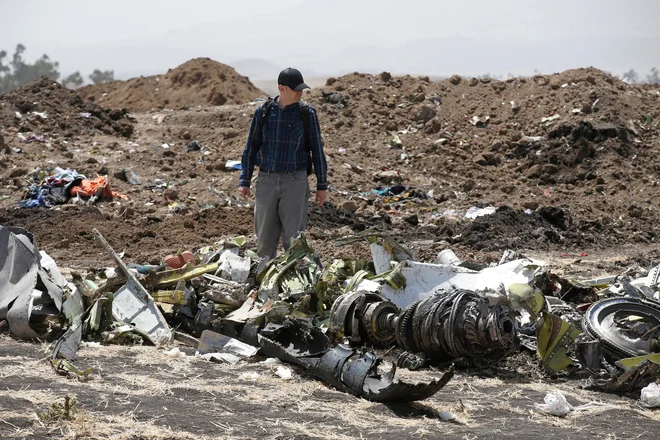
{"type": "Point", "coordinates": [631, 76]}
{"type": "Point", "coordinates": [99, 77]}
{"type": "Point", "coordinates": [73, 81]}
{"type": "Point", "coordinates": [4, 75]}
{"type": "Point", "coordinates": [18, 73]}
{"type": "Point", "coordinates": [3, 68]}
{"type": "Point", "coordinates": [653, 77]}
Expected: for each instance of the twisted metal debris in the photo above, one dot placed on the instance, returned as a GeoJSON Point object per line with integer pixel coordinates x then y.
{"type": "Point", "coordinates": [447, 326]}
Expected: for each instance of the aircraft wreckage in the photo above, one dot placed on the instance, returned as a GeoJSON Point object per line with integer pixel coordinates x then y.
{"type": "Point", "coordinates": [351, 323]}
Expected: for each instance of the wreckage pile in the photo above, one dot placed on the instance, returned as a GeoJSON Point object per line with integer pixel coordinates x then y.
{"type": "Point", "coordinates": [200, 81]}
{"type": "Point", "coordinates": [322, 318]}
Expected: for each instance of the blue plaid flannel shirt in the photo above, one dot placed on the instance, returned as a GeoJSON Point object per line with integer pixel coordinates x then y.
{"type": "Point", "coordinates": [283, 149]}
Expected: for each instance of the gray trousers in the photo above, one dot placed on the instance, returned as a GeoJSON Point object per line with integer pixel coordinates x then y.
{"type": "Point", "coordinates": [280, 209]}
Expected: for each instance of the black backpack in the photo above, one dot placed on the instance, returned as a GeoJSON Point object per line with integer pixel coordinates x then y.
{"type": "Point", "coordinates": [304, 118]}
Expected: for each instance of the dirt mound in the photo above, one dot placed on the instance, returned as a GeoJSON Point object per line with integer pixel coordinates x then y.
{"type": "Point", "coordinates": [200, 81]}
{"type": "Point", "coordinates": [549, 228]}
{"type": "Point", "coordinates": [574, 139]}
{"type": "Point", "coordinates": [46, 107]}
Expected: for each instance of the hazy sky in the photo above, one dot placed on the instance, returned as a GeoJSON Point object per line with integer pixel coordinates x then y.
{"type": "Point", "coordinates": [327, 37]}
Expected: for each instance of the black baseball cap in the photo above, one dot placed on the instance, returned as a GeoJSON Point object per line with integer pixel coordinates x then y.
{"type": "Point", "coordinates": [292, 78]}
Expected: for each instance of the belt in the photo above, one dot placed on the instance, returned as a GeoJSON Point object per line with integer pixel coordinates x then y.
{"type": "Point", "coordinates": [278, 172]}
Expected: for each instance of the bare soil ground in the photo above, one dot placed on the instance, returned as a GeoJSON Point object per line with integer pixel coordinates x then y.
{"type": "Point", "coordinates": [142, 393]}
{"type": "Point", "coordinates": [590, 191]}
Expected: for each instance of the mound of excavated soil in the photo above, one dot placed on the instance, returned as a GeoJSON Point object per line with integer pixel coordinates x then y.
{"type": "Point", "coordinates": [581, 139]}
{"type": "Point", "coordinates": [200, 81]}
{"type": "Point", "coordinates": [46, 107]}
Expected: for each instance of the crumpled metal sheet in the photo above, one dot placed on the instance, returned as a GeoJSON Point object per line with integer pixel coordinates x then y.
{"type": "Point", "coordinates": [212, 342]}
{"type": "Point", "coordinates": [234, 267]}
{"type": "Point", "coordinates": [133, 305]}
{"type": "Point", "coordinates": [68, 344]}
{"type": "Point", "coordinates": [292, 275]}
{"type": "Point", "coordinates": [423, 280]}
{"type": "Point", "coordinates": [22, 279]}
{"type": "Point", "coordinates": [174, 276]}
{"type": "Point", "coordinates": [554, 336]}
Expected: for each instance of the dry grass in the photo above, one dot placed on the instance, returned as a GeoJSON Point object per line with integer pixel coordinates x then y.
{"type": "Point", "coordinates": [136, 392]}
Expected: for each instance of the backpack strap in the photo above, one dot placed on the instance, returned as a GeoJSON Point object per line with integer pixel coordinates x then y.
{"type": "Point", "coordinates": [304, 117]}
{"type": "Point", "coordinates": [265, 112]}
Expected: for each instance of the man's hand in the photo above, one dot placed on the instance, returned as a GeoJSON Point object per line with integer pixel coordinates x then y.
{"type": "Point", "coordinates": [244, 191]}
{"type": "Point", "coordinates": [320, 196]}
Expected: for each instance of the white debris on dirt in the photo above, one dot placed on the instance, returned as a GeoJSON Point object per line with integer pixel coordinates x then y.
{"type": "Point", "coordinates": [650, 396]}
{"type": "Point", "coordinates": [557, 405]}
{"type": "Point", "coordinates": [175, 353]}
{"type": "Point", "coordinates": [284, 373]}
{"type": "Point", "coordinates": [251, 375]}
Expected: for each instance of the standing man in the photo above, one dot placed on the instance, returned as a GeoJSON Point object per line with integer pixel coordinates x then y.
{"type": "Point", "coordinates": [284, 141]}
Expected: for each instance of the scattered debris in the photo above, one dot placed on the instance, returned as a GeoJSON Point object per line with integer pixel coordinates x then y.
{"type": "Point", "coordinates": [557, 405]}
{"type": "Point", "coordinates": [133, 305]}
{"type": "Point", "coordinates": [650, 396]}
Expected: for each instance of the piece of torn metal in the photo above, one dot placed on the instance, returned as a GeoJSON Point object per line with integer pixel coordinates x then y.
{"type": "Point", "coordinates": [122, 334]}
{"type": "Point", "coordinates": [174, 276]}
{"type": "Point", "coordinates": [590, 354]}
{"type": "Point", "coordinates": [637, 377]}
{"type": "Point", "coordinates": [132, 304]}
{"type": "Point", "coordinates": [224, 291]}
{"type": "Point", "coordinates": [73, 306]}
{"type": "Point", "coordinates": [66, 368]}
{"type": "Point", "coordinates": [554, 337]}
{"type": "Point", "coordinates": [527, 300]}
{"type": "Point", "coordinates": [174, 297]}
{"type": "Point", "coordinates": [649, 284]}
{"type": "Point", "coordinates": [292, 275]}
{"type": "Point", "coordinates": [360, 373]}
{"type": "Point", "coordinates": [24, 282]}
{"type": "Point", "coordinates": [186, 339]}
{"type": "Point", "coordinates": [330, 285]}
{"type": "Point", "coordinates": [249, 310]}
{"type": "Point", "coordinates": [423, 280]}
{"type": "Point", "coordinates": [384, 249]}
{"type": "Point", "coordinates": [212, 342]}
{"type": "Point", "coordinates": [221, 358]}
{"type": "Point", "coordinates": [68, 344]}
{"type": "Point", "coordinates": [627, 363]}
